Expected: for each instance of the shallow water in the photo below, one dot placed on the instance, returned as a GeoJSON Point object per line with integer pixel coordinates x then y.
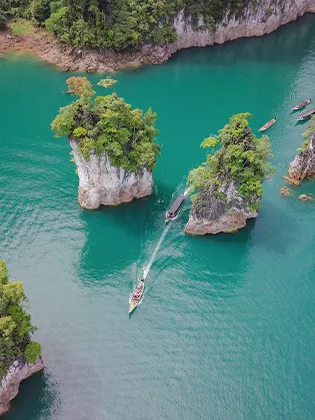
{"type": "Point", "coordinates": [226, 328]}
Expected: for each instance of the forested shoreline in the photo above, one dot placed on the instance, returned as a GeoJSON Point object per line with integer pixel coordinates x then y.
{"type": "Point", "coordinates": [118, 24]}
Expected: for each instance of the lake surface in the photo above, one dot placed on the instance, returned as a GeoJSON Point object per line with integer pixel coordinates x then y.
{"type": "Point", "coordinates": [226, 328]}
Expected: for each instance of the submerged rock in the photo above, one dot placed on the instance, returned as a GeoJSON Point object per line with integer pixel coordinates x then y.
{"type": "Point", "coordinates": [10, 383]}
{"type": "Point", "coordinates": [211, 214]}
{"type": "Point", "coordinates": [304, 197]}
{"type": "Point", "coordinates": [303, 166]}
{"type": "Point", "coordinates": [285, 192]}
{"type": "Point", "coordinates": [101, 183]}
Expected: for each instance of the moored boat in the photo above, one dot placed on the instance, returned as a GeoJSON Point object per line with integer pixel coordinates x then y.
{"type": "Point", "coordinates": [307, 115]}
{"type": "Point", "coordinates": [268, 124]}
{"type": "Point", "coordinates": [173, 210]}
{"type": "Point", "coordinates": [136, 296]}
{"type": "Point", "coordinates": [302, 104]}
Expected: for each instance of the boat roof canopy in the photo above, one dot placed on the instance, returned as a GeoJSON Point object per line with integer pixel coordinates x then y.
{"type": "Point", "coordinates": [307, 114]}
{"type": "Point", "coordinates": [177, 203]}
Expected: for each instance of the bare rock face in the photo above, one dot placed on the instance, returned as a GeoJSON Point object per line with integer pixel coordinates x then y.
{"type": "Point", "coordinates": [101, 183]}
{"type": "Point", "coordinates": [10, 383]}
{"type": "Point", "coordinates": [262, 18]}
{"type": "Point", "coordinates": [303, 166]}
{"type": "Point", "coordinates": [211, 214]}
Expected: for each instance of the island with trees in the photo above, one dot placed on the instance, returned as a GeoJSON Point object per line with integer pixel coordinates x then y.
{"type": "Point", "coordinates": [20, 357]}
{"type": "Point", "coordinates": [227, 187]}
{"type": "Point", "coordinates": [104, 35]}
{"type": "Point", "coordinates": [303, 165]}
{"type": "Point", "coordinates": [113, 145]}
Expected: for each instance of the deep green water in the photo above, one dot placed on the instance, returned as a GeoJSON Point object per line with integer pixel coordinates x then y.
{"type": "Point", "coordinates": [226, 329]}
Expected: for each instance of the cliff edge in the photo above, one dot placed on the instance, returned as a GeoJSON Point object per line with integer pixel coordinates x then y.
{"type": "Point", "coordinates": [303, 165]}
{"type": "Point", "coordinates": [10, 383]}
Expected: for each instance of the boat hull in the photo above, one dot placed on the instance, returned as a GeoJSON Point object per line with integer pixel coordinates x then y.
{"type": "Point", "coordinates": [268, 125]}
{"type": "Point", "coordinates": [301, 105]}
{"type": "Point", "coordinates": [132, 307]}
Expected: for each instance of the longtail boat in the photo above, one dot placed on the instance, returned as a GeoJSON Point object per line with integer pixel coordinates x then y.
{"type": "Point", "coordinates": [307, 115]}
{"type": "Point", "coordinates": [268, 124]}
{"type": "Point", "coordinates": [136, 296]}
{"type": "Point", "coordinates": [302, 105]}
{"type": "Point", "coordinates": [173, 210]}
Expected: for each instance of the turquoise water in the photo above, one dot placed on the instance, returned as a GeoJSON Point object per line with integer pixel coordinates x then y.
{"type": "Point", "coordinates": [226, 328]}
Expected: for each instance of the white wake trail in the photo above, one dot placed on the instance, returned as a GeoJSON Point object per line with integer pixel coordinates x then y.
{"type": "Point", "coordinates": [147, 268]}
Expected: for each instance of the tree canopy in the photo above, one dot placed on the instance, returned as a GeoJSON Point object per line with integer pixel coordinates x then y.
{"type": "Point", "coordinates": [107, 124]}
{"type": "Point", "coordinates": [15, 324]}
{"type": "Point", "coordinates": [242, 158]}
{"type": "Point", "coordinates": [119, 24]}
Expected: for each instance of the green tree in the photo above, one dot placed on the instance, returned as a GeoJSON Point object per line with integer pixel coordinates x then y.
{"type": "Point", "coordinates": [5, 8]}
{"type": "Point", "coordinates": [40, 10]}
{"type": "Point", "coordinates": [242, 159]}
{"type": "Point", "coordinates": [15, 323]}
{"type": "Point", "coordinates": [107, 124]}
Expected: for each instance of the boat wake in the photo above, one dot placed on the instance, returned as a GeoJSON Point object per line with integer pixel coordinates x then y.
{"type": "Point", "coordinates": [147, 268]}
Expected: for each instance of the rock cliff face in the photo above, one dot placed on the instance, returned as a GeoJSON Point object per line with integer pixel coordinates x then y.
{"type": "Point", "coordinates": [211, 215]}
{"type": "Point", "coordinates": [262, 18]}
{"type": "Point", "coordinates": [303, 165]}
{"type": "Point", "coordinates": [101, 183]}
{"type": "Point", "coordinates": [18, 371]}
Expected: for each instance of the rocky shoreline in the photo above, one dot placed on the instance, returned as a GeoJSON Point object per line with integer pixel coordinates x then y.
{"type": "Point", "coordinates": [10, 383]}
{"type": "Point", "coordinates": [255, 22]}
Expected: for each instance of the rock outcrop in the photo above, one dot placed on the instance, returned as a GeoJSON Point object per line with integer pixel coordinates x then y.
{"type": "Point", "coordinates": [101, 183]}
{"type": "Point", "coordinates": [214, 212]}
{"type": "Point", "coordinates": [304, 197]}
{"type": "Point", "coordinates": [303, 165]}
{"type": "Point", "coordinates": [259, 19]}
{"type": "Point", "coordinates": [10, 383]}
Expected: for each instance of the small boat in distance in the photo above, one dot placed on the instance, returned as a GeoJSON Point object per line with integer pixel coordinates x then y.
{"type": "Point", "coordinates": [268, 124]}
{"type": "Point", "coordinates": [173, 210]}
{"type": "Point", "coordinates": [307, 115]}
{"type": "Point", "coordinates": [136, 296]}
{"type": "Point", "coordinates": [302, 104]}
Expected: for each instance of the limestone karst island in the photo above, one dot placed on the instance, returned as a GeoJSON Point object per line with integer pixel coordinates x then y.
{"type": "Point", "coordinates": [156, 211]}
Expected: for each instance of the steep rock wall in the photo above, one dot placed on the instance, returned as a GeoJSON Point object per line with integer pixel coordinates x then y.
{"type": "Point", "coordinates": [101, 183]}
{"type": "Point", "coordinates": [303, 165]}
{"type": "Point", "coordinates": [212, 215]}
{"type": "Point", "coordinates": [263, 18]}
{"type": "Point", "coordinates": [18, 371]}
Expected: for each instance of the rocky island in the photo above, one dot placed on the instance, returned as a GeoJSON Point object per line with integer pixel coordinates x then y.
{"type": "Point", "coordinates": [105, 35]}
{"type": "Point", "coordinates": [112, 144]}
{"type": "Point", "coordinates": [228, 185]}
{"type": "Point", "coordinates": [19, 355]}
{"type": "Point", "coordinates": [303, 165]}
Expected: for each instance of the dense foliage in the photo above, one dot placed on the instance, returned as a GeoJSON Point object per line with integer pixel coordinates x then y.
{"type": "Point", "coordinates": [308, 134]}
{"type": "Point", "coordinates": [242, 159]}
{"type": "Point", "coordinates": [108, 124]}
{"type": "Point", "coordinates": [15, 324]}
{"type": "Point", "coordinates": [119, 24]}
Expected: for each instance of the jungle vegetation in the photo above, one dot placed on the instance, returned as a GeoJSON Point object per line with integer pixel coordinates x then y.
{"type": "Point", "coordinates": [237, 156]}
{"type": "Point", "coordinates": [15, 324]}
{"type": "Point", "coordinates": [119, 24]}
{"type": "Point", "coordinates": [108, 124]}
